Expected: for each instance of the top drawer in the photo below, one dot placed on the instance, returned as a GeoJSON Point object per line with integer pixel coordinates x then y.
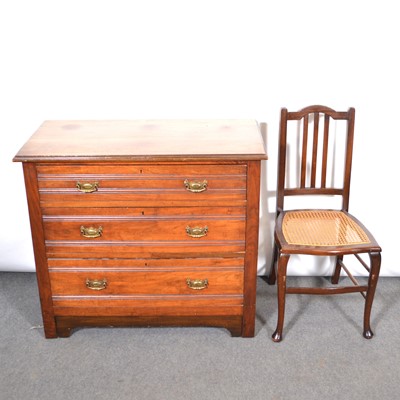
{"type": "Point", "coordinates": [141, 184]}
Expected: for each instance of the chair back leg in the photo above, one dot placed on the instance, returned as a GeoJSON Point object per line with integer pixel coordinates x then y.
{"type": "Point", "coordinates": [282, 263]}
{"type": "Point", "coordinates": [338, 268]}
{"type": "Point", "coordinates": [271, 279]}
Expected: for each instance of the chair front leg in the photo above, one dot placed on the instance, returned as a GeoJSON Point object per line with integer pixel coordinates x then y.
{"type": "Point", "coordinates": [282, 263]}
{"type": "Point", "coordinates": [375, 259]}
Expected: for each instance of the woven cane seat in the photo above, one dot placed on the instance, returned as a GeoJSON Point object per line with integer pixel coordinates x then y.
{"type": "Point", "coordinates": [322, 228]}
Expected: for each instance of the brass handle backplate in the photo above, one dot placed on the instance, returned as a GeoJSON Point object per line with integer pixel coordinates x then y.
{"type": "Point", "coordinates": [91, 232]}
{"type": "Point", "coordinates": [197, 284]}
{"type": "Point", "coordinates": [195, 186]}
{"type": "Point", "coordinates": [96, 284]}
{"type": "Point", "coordinates": [197, 232]}
{"type": "Point", "coordinates": [87, 187]}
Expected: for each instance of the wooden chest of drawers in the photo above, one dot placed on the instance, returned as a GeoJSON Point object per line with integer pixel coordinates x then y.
{"type": "Point", "coordinates": [146, 223]}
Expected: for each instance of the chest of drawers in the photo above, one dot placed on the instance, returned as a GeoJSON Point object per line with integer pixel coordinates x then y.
{"type": "Point", "coordinates": [145, 223]}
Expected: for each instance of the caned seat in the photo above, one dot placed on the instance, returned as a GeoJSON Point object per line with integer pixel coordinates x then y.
{"type": "Point", "coordinates": [311, 163]}
{"type": "Point", "coordinates": [322, 228]}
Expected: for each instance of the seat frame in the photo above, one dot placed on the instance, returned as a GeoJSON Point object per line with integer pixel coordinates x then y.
{"type": "Point", "coordinates": [308, 184]}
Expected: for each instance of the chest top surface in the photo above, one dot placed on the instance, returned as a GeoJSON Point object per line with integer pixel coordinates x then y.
{"type": "Point", "coordinates": [158, 140]}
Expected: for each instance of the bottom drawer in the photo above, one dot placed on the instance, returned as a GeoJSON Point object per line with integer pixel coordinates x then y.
{"type": "Point", "coordinates": [102, 283]}
{"type": "Point", "coordinates": [188, 292]}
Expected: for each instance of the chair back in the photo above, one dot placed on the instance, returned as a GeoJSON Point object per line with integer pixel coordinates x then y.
{"type": "Point", "coordinates": [315, 154]}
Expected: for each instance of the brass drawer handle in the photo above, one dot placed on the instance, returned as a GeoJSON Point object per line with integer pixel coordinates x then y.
{"type": "Point", "coordinates": [195, 186]}
{"type": "Point", "coordinates": [96, 284]}
{"type": "Point", "coordinates": [197, 232]}
{"type": "Point", "coordinates": [87, 187]}
{"type": "Point", "coordinates": [91, 232]}
{"type": "Point", "coordinates": [197, 284]}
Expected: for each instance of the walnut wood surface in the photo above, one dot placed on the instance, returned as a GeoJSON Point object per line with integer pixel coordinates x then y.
{"type": "Point", "coordinates": [138, 171]}
{"type": "Point", "coordinates": [144, 139]}
{"type": "Point", "coordinates": [158, 282]}
{"type": "Point", "coordinates": [231, 322]}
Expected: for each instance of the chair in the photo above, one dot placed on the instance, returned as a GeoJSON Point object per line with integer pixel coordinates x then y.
{"type": "Point", "coordinates": [315, 231]}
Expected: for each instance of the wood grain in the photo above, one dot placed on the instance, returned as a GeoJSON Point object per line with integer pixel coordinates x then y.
{"type": "Point", "coordinates": [138, 174]}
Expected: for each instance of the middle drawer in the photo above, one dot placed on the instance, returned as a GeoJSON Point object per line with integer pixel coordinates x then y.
{"type": "Point", "coordinates": [126, 224]}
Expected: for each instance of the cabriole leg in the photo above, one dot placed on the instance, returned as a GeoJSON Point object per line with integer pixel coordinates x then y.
{"type": "Point", "coordinates": [372, 282]}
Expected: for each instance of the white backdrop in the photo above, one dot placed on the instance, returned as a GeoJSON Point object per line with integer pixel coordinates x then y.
{"type": "Point", "coordinates": [203, 59]}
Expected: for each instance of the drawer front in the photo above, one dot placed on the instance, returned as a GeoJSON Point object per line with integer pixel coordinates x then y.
{"type": "Point", "coordinates": [143, 287]}
{"type": "Point", "coordinates": [96, 185]}
{"type": "Point", "coordinates": [96, 230]}
{"type": "Point", "coordinates": [199, 282]}
{"type": "Point", "coordinates": [143, 232]}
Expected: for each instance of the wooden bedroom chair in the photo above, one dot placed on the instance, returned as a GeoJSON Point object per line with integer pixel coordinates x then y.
{"type": "Point", "coordinates": [315, 231]}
